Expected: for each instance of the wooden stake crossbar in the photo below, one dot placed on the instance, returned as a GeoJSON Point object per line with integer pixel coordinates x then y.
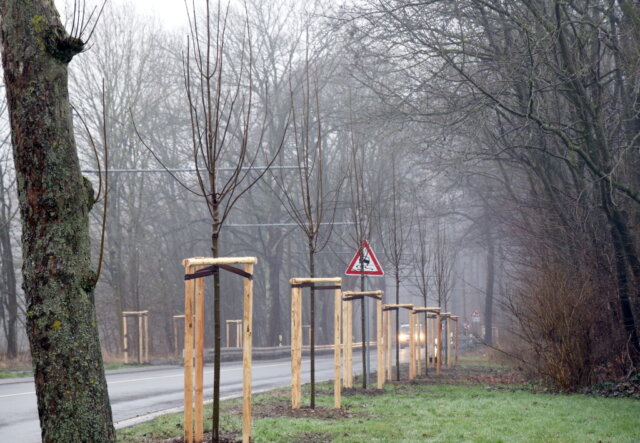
{"type": "Point", "coordinates": [238, 324]}
{"type": "Point", "coordinates": [297, 284]}
{"type": "Point", "coordinates": [348, 334]}
{"type": "Point", "coordinates": [389, 338]}
{"type": "Point", "coordinates": [195, 269]}
{"type": "Point", "coordinates": [143, 335]}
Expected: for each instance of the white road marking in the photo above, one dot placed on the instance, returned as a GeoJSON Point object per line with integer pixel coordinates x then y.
{"type": "Point", "coordinates": [157, 378]}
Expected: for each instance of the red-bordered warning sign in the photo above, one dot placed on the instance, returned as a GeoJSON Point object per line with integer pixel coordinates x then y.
{"type": "Point", "coordinates": [369, 262]}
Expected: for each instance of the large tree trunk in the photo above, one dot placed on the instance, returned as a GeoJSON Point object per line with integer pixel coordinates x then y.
{"type": "Point", "coordinates": [73, 403]}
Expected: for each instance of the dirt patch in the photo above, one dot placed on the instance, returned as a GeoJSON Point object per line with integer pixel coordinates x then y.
{"type": "Point", "coordinates": [280, 406]}
{"type": "Point", "coordinates": [349, 392]}
{"type": "Point", "coordinates": [224, 438]}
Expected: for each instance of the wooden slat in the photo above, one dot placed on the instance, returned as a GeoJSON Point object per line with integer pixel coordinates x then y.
{"type": "Point", "coordinates": [188, 358]}
{"type": "Point", "coordinates": [199, 361]}
{"type": "Point", "coordinates": [125, 340]}
{"type": "Point", "coordinates": [456, 338]}
{"type": "Point", "coordinates": [348, 358]}
{"type": "Point", "coordinates": [412, 347]}
{"type": "Point", "coordinates": [207, 261]}
{"type": "Point", "coordinates": [418, 345]}
{"type": "Point", "coordinates": [146, 338]}
{"type": "Point", "coordinates": [337, 309]}
{"type": "Point", "coordinates": [140, 340]}
{"type": "Point", "coordinates": [296, 346]}
{"type": "Point", "coordinates": [247, 341]}
{"type": "Point", "coordinates": [439, 353]}
{"type": "Point", "coordinates": [449, 337]}
{"type": "Point", "coordinates": [390, 340]}
{"type": "Point", "coordinates": [381, 344]}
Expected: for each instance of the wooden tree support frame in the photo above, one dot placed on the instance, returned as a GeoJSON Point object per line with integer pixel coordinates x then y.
{"type": "Point", "coordinates": [143, 335]}
{"type": "Point", "coordinates": [390, 338]}
{"type": "Point", "coordinates": [238, 324]}
{"type": "Point", "coordinates": [358, 295]}
{"type": "Point", "coordinates": [433, 338]}
{"type": "Point", "coordinates": [429, 334]}
{"type": "Point", "coordinates": [194, 330]}
{"type": "Point", "coordinates": [296, 334]}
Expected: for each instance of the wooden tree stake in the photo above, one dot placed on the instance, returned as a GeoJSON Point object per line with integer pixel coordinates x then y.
{"type": "Point", "coordinates": [296, 336]}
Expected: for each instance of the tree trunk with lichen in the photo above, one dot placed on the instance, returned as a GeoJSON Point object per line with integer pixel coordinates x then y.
{"type": "Point", "coordinates": [55, 200]}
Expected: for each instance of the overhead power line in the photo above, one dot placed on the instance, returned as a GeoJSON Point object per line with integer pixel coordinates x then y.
{"type": "Point", "coordinates": [128, 171]}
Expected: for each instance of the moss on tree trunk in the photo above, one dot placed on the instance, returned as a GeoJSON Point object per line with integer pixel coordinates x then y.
{"type": "Point", "coordinates": [55, 200]}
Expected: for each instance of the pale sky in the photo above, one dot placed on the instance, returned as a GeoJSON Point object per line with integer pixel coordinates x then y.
{"type": "Point", "coordinates": [170, 12]}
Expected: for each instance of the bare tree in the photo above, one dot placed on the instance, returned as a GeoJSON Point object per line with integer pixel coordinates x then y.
{"type": "Point", "coordinates": [395, 235]}
{"type": "Point", "coordinates": [220, 100]}
{"type": "Point", "coordinates": [444, 258]}
{"type": "Point", "coordinates": [311, 202]}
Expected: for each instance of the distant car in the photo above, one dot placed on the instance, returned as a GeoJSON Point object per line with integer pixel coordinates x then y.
{"type": "Point", "coordinates": [403, 335]}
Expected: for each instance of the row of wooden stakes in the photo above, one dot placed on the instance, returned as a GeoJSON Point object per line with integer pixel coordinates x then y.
{"type": "Point", "coordinates": [343, 336]}
{"type": "Point", "coordinates": [195, 269]}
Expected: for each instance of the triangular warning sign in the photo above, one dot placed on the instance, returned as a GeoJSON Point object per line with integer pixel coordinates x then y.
{"type": "Point", "coordinates": [369, 262]}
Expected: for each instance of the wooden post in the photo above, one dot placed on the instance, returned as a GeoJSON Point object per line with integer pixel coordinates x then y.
{"type": "Point", "coordinates": [239, 335]}
{"type": "Point", "coordinates": [412, 346]}
{"type": "Point", "coordinates": [296, 334]}
{"type": "Point", "coordinates": [345, 334]}
{"type": "Point", "coordinates": [390, 341]}
{"type": "Point", "coordinates": [247, 345]}
{"type": "Point", "coordinates": [432, 341]}
{"type": "Point", "coordinates": [419, 345]}
{"type": "Point", "coordinates": [227, 327]}
{"type": "Point", "coordinates": [455, 337]}
{"type": "Point", "coordinates": [125, 340]}
{"type": "Point", "coordinates": [199, 363]}
{"type": "Point", "coordinates": [195, 308]}
{"type": "Point", "coordinates": [189, 286]}
{"type": "Point", "coordinates": [439, 341]}
{"type": "Point", "coordinates": [146, 337]}
{"type": "Point", "coordinates": [337, 309]}
{"type": "Point", "coordinates": [296, 345]}
{"type": "Point", "coordinates": [348, 358]}
{"type": "Point", "coordinates": [140, 345]}
{"type": "Point", "coordinates": [381, 344]}
{"type": "Point", "coordinates": [446, 316]}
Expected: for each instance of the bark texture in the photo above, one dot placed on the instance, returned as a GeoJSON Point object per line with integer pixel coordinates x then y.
{"type": "Point", "coordinates": [55, 200]}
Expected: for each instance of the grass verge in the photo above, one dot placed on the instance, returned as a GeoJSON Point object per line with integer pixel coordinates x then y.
{"type": "Point", "coordinates": [474, 404]}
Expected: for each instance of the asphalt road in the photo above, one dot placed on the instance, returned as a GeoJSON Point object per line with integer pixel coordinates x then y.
{"type": "Point", "coordinates": [137, 393]}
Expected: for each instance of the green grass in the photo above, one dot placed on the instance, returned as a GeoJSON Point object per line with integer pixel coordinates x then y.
{"type": "Point", "coordinates": [4, 374]}
{"type": "Point", "coordinates": [15, 374]}
{"type": "Point", "coordinates": [436, 413]}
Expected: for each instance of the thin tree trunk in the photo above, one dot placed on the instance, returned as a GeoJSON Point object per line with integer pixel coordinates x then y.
{"type": "Point", "coordinates": [73, 402]}
{"type": "Point", "coordinates": [362, 324]}
{"type": "Point", "coordinates": [398, 329]}
{"type": "Point", "coordinates": [312, 325]}
{"type": "Point", "coordinates": [217, 339]}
